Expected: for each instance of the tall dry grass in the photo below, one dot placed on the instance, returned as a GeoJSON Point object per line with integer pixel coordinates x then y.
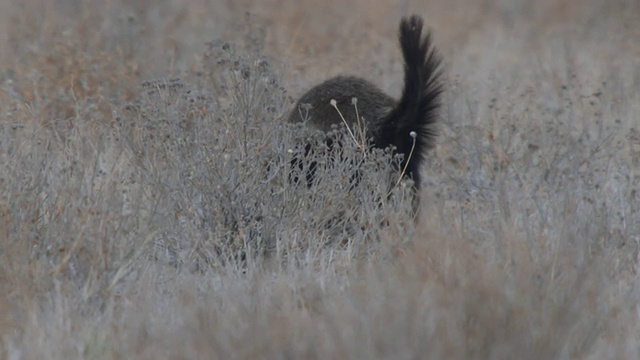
{"type": "Point", "coordinates": [147, 209]}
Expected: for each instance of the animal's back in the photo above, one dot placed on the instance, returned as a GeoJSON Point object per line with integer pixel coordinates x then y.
{"type": "Point", "coordinates": [371, 103]}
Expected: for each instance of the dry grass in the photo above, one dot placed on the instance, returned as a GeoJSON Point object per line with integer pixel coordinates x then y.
{"type": "Point", "coordinates": [146, 209]}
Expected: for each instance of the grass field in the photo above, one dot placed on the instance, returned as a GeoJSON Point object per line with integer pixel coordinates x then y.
{"type": "Point", "coordinates": [146, 210]}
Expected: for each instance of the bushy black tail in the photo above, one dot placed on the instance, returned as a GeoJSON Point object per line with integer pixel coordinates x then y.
{"type": "Point", "coordinates": [411, 126]}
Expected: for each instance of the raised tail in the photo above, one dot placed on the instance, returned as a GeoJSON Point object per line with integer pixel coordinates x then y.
{"type": "Point", "coordinates": [411, 126]}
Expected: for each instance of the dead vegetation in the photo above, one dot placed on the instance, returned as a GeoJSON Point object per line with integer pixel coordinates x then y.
{"type": "Point", "coordinates": [146, 209]}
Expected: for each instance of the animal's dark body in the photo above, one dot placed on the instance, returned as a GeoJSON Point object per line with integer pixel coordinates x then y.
{"type": "Point", "coordinates": [408, 124]}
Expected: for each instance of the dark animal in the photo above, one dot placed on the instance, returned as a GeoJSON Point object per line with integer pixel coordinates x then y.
{"type": "Point", "coordinates": [408, 124]}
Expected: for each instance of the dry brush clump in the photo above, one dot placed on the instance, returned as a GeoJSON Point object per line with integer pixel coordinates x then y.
{"type": "Point", "coordinates": [220, 165]}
